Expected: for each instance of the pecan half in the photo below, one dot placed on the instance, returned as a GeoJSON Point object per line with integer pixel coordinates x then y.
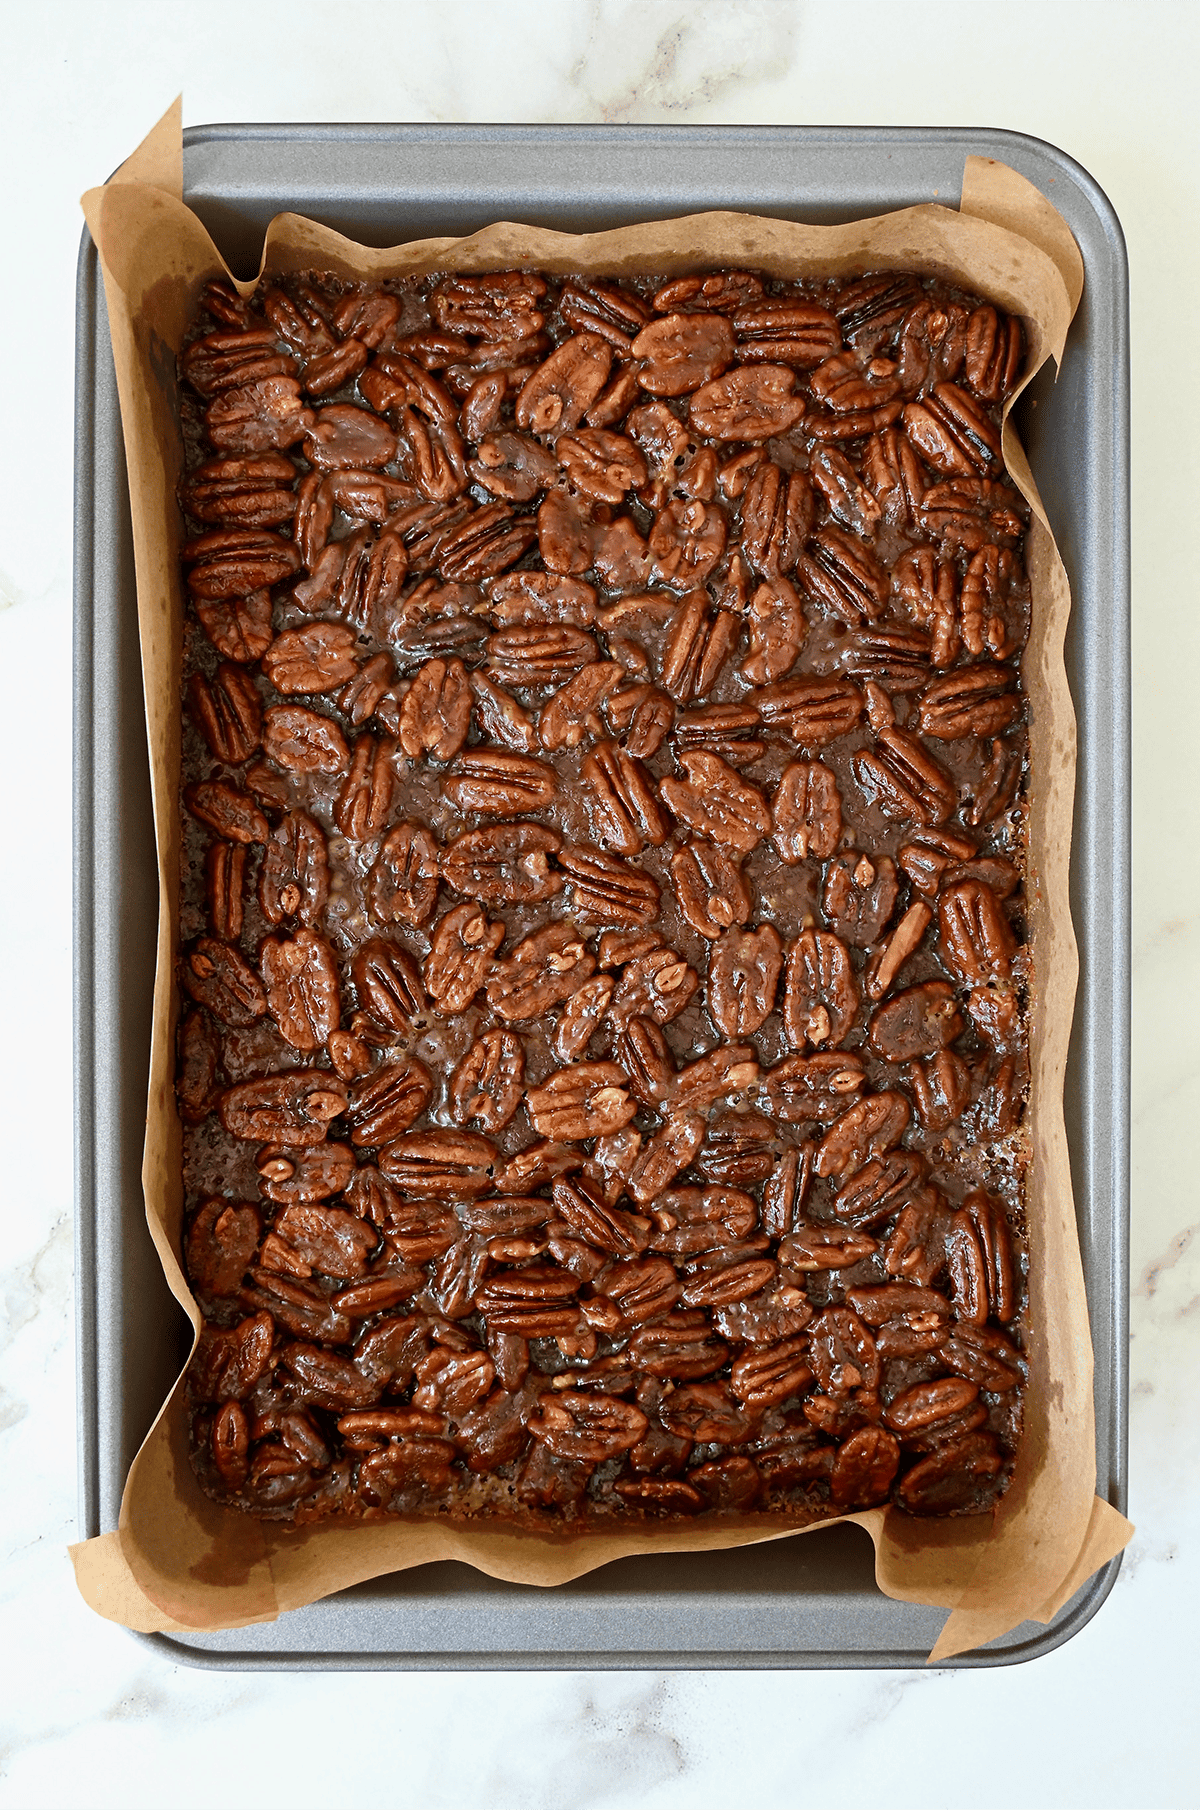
{"type": "Point", "coordinates": [221, 1243]}
{"type": "Point", "coordinates": [494, 784]}
{"type": "Point", "coordinates": [840, 574]}
{"type": "Point", "coordinates": [360, 578]}
{"type": "Point", "coordinates": [656, 985]}
{"type": "Point", "coordinates": [365, 800]}
{"type": "Point", "coordinates": [743, 976]}
{"type": "Point", "coordinates": [869, 311]}
{"type": "Point", "coordinates": [881, 1188]}
{"type": "Point", "coordinates": [488, 1083]}
{"type": "Point", "coordinates": [294, 878]}
{"type": "Point", "coordinates": [929, 589]}
{"type": "Point", "coordinates": [931, 345]}
{"type": "Point", "coordinates": [697, 645]}
{"type": "Point", "coordinates": [730, 730]}
{"type": "Point", "coordinates": [990, 1224]}
{"type": "Point", "coordinates": [820, 996]}
{"type": "Point", "coordinates": [491, 308]}
{"type": "Point", "coordinates": [227, 711]}
{"type": "Point", "coordinates": [588, 1427]}
{"type": "Point", "coordinates": [884, 966]}
{"type": "Point", "coordinates": [539, 655]}
{"type": "Point", "coordinates": [846, 497]}
{"type": "Point", "coordinates": [266, 415]}
{"type": "Point", "coordinates": [971, 700]}
{"type": "Point", "coordinates": [941, 1089]}
{"type": "Point", "coordinates": [993, 353]}
{"type": "Point", "coordinates": [780, 331]}
{"type": "Point", "coordinates": [585, 1101]}
{"type": "Point", "coordinates": [666, 1155]}
{"type": "Point", "coordinates": [870, 1128]}
{"type": "Point", "coordinates": [507, 864]}
{"type": "Point", "coordinates": [740, 1149]}
{"type": "Point", "coordinates": [711, 889]}
{"type": "Point", "coordinates": [760, 1378]}
{"type": "Point", "coordinates": [785, 1194]}
{"type": "Point", "coordinates": [716, 801]}
{"type": "Point", "coordinates": [607, 890]}
{"type": "Point", "coordinates": [975, 937]}
{"type": "Point", "coordinates": [901, 775]}
{"type": "Point", "coordinates": [600, 308]}
{"type": "Point", "coordinates": [645, 1057]}
{"type": "Point", "coordinates": [722, 292]}
{"type": "Point", "coordinates": [513, 466]}
{"type": "Point", "coordinates": [687, 540]}
{"type": "Point", "coordinates": [679, 1351]}
{"type": "Point", "coordinates": [777, 518]}
{"type": "Point", "coordinates": [460, 957]}
{"type": "Point", "coordinates": [753, 403]}
{"type": "Point", "coordinates": [303, 741]}
{"type": "Point", "coordinates": [813, 712]}
{"type": "Point", "coordinates": [388, 983]}
{"type": "Point", "coordinates": [438, 637]}
{"type": "Point", "coordinates": [318, 657]}
{"type": "Point", "coordinates": [952, 432]}
{"type": "Point", "coordinates": [500, 717]}
{"type": "Point", "coordinates": [852, 383]}
{"type": "Point", "coordinates": [626, 811]}
{"type": "Point", "coordinates": [403, 882]}
{"type": "Point", "coordinates": [582, 1209]}
{"type": "Point", "coordinates": [558, 394]}
{"type": "Point", "coordinates": [224, 873]}
{"type": "Point", "coordinates": [435, 713]}
{"type": "Point", "coordinates": [571, 715]}
{"type": "Point", "coordinates": [682, 351]}
{"type": "Point", "coordinates": [842, 1352]}
{"type": "Point", "coordinates": [817, 1246]}
{"type": "Point", "coordinates": [345, 438]}
{"type": "Point", "coordinates": [807, 812]}
{"type": "Point", "coordinates": [812, 1089]}
{"type": "Point", "coordinates": [293, 1107]}
{"type": "Point", "coordinates": [917, 1022]}
{"type": "Point", "coordinates": [967, 513]}
{"type": "Point", "coordinates": [199, 1051]}
{"type": "Point", "coordinates": [323, 1239]}
{"type": "Point", "coordinates": [233, 814]}
{"type": "Point", "coordinates": [224, 360]}
{"type": "Point", "coordinates": [301, 1176]}
{"type": "Point", "coordinates": [707, 1413]}
{"type": "Point", "coordinates": [228, 1363]}
{"type": "Point", "coordinates": [543, 970]}
{"type": "Point", "coordinates": [566, 532]}
{"type": "Point", "coordinates": [776, 625]}
{"type": "Point", "coordinates": [894, 474]}
{"type": "Point", "coordinates": [581, 1017]}
{"type": "Point", "coordinates": [301, 979]}
{"type": "Point", "coordinates": [238, 627]}
{"type": "Point", "coordinates": [864, 1468]}
{"type": "Point", "coordinates": [601, 465]}
{"type": "Point", "coordinates": [440, 1165]}
{"type": "Point", "coordinates": [387, 1101]}
{"type": "Point", "coordinates": [859, 896]}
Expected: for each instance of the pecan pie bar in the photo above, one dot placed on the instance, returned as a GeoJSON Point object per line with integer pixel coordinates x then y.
{"type": "Point", "coordinates": [603, 1054]}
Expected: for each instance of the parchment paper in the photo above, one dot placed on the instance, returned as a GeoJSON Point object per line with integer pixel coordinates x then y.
{"type": "Point", "coordinates": [177, 1560]}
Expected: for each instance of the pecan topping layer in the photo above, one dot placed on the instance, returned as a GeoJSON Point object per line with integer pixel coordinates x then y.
{"type": "Point", "coordinates": [603, 1055]}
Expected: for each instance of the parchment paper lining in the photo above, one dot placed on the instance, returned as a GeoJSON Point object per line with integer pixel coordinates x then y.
{"type": "Point", "coordinates": [178, 1561]}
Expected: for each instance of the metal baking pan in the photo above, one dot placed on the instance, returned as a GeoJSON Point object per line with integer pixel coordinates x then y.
{"type": "Point", "coordinates": [801, 1603]}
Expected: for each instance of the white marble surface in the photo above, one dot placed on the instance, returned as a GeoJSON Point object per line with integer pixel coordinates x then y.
{"type": "Point", "coordinates": [88, 1717]}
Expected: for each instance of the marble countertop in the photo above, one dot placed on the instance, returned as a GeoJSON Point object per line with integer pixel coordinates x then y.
{"type": "Point", "coordinates": [89, 1717]}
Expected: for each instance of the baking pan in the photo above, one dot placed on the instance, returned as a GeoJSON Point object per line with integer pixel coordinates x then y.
{"type": "Point", "coordinates": [797, 1603]}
